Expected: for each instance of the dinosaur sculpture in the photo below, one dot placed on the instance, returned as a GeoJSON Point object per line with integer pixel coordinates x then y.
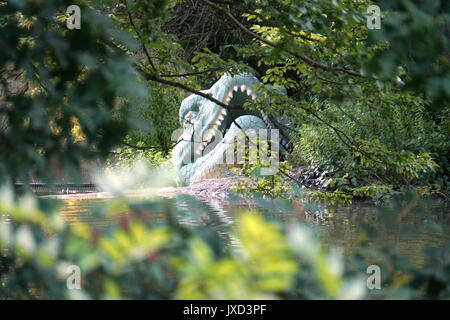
{"type": "Point", "coordinates": [209, 131]}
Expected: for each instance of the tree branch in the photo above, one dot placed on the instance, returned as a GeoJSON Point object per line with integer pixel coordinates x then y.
{"type": "Point", "coordinates": [155, 78]}
{"type": "Point", "coordinates": [148, 147]}
{"type": "Point", "coordinates": [189, 74]}
{"type": "Point", "coordinates": [130, 19]}
{"type": "Point", "coordinates": [307, 60]}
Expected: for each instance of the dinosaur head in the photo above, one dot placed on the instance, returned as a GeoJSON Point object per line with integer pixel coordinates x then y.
{"type": "Point", "coordinates": [204, 122]}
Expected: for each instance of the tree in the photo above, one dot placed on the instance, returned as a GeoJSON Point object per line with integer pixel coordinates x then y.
{"type": "Point", "coordinates": [74, 79]}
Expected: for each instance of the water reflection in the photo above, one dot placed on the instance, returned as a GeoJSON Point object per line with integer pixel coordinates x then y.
{"type": "Point", "coordinates": [336, 226]}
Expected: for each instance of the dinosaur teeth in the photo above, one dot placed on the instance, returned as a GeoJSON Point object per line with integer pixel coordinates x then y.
{"type": "Point", "coordinates": [221, 117]}
{"type": "Point", "coordinates": [229, 97]}
{"type": "Point", "coordinates": [224, 112]}
{"type": "Point", "coordinates": [235, 88]}
{"type": "Point", "coordinates": [208, 135]}
{"type": "Point", "coordinates": [251, 94]}
{"type": "Point", "coordinates": [243, 88]}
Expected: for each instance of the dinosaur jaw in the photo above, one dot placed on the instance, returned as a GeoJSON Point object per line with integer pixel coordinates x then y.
{"type": "Point", "coordinates": [235, 99]}
{"type": "Point", "coordinates": [208, 128]}
{"type": "Point", "coordinates": [238, 95]}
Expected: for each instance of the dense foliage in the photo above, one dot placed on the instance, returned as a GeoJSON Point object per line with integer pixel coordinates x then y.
{"type": "Point", "coordinates": [367, 106]}
{"type": "Point", "coordinates": [73, 82]}
{"type": "Point", "coordinates": [368, 110]}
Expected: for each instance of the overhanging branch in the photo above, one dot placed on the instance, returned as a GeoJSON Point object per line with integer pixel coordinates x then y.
{"type": "Point", "coordinates": [307, 60]}
{"type": "Point", "coordinates": [155, 78]}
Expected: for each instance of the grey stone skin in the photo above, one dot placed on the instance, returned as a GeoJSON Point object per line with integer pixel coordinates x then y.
{"type": "Point", "coordinates": [212, 138]}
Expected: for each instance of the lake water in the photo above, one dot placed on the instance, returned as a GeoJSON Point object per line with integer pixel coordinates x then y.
{"type": "Point", "coordinates": [337, 226]}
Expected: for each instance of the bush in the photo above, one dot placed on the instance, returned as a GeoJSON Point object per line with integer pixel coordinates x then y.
{"type": "Point", "coordinates": [390, 147]}
{"type": "Point", "coordinates": [253, 181]}
{"type": "Point", "coordinates": [126, 157]}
